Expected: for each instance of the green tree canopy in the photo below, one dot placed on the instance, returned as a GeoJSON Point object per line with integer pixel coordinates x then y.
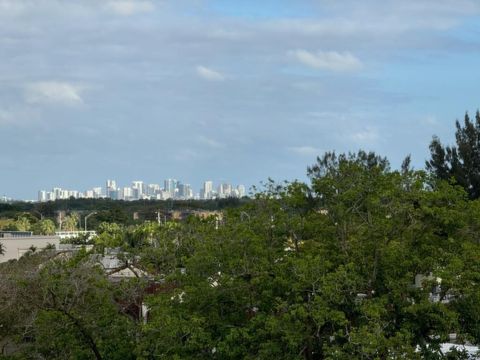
{"type": "Point", "coordinates": [71, 222]}
{"type": "Point", "coordinates": [460, 162]}
{"type": "Point", "coordinates": [363, 262]}
{"type": "Point", "coordinates": [44, 227]}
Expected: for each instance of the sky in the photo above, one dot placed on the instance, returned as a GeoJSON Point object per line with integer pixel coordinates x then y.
{"type": "Point", "coordinates": [231, 91]}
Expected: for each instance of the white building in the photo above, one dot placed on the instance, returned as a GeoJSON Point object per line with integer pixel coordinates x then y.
{"type": "Point", "coordinates": [153, 190]}
{"type": "Point", "coordinates": [42, 196]}
{"type": "Point", "coordinates": [207, 191]}
{"type": "Point", "coordinates": [170, 186]}
{"type": "Point", "coordinates": [97, 192]}
{"type": "Point", "coordinates": [225, 190]}
{"type": "Point", "coordinates": [241, 190]}
{"type": "Point", "coordinates": [127, 193]}
{"type": "Point", "coordinates": [138, 189]}
{"type": "Point", "coordinates": [111, 188]}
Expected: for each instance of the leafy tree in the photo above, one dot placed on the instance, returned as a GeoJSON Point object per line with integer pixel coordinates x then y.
{"type": "Point", "coordinates": [5, 223]}
{"type": "Point", "coordinates": [331, 163]}
{"type": "Point", "coordinates": [110, 235]}
{"type": "Point", "coordinates": [44, 227]}
{"type": "Point", "coordinates": [71, 222]}
{"type": "Point", "coordinates": [324, 270]}
{"type": "Point", "coordinates": [64, 310]}
{"type": "Point", "coordinates": [460, 162]}
{"type": "Point", "coordinates": [114, 215]}
{"type": "Point", "coordinates": [22, 223]}
{"type": "Point", "coordinates": [318, 272]}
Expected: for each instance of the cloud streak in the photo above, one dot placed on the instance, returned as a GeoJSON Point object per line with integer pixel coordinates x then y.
{"type": "Point", "coordinates": [328, 60]}
{"type": "Point", "coordinates": [129, 7]}
{"type": "Point", "coordinates": [53, 92]}
{"type": "Point", "coordinates": [211, 143]}
{"type": "Point", "coordinates": [305, 150]}
{"type": "Point", "coordinates": [209, 74]}
{"type": "Point", "coordinates": [367, 136]}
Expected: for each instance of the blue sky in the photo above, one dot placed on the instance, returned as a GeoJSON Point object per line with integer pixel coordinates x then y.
{"type": "Point", "coordinates": [234, 91]}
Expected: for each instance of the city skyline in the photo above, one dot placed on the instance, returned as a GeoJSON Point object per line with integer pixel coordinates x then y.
{"type": "Point", "coordinates": [139, 190]}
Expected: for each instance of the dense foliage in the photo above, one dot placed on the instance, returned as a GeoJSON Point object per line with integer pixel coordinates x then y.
{"type": "Point", "coordinates": [460, 162]}
{"type": "Point", "coordinates": [363, 262]}
{"type": "Point", "coordinates": [119, 211]}
{"type": "Point", "coordinates": [324, 270]}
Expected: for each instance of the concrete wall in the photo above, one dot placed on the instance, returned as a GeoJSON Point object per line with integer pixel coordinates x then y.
{"type": "Point", "coordinates": [16, 247]}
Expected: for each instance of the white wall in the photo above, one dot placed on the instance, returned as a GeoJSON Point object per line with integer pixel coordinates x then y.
{"type": "Point", "coordinates": [16, 247]}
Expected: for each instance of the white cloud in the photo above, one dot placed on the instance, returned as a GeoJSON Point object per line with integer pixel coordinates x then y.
{"type": "Point", "coordinates": [365, 136]}
{"type": "Point", "coordinates": [209, 74]}
{"type": "Point", "coordinates": [328, 60]}
{"type": "Point", "coordinates": [129, 7]}
{"type": "Point", "coordinates": [50, 92]}
{"type": "Point", "coordinates": [305, 150]}
{"type": "Point", "coordinates": [210, 142]}
{"type": "Point", "coordinates": [430, 120]}
{"type": "Point", "coordinates": [382, 26]}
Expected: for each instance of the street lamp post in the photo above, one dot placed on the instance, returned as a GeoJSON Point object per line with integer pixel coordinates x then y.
{"type": "Point", "coordinates": [86, 217]}
{"type": "Point", "coordinates": [38, 212]}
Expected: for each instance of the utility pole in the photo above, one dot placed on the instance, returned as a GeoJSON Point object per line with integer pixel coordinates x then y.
{"type": "Point", "coordinates": [38, 212]}
{"type": "Point", "coordinates": [86, 217]}
{"type": "Point", "coordinates": [60, 221]}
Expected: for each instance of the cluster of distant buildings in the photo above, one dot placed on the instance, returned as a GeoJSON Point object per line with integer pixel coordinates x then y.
{"type": "Point", "coordinates": [172, 189]}
{"type": "Point", "coordinates": [5, 199]}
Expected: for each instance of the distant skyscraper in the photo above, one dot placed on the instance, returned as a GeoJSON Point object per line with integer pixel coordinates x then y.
{"type": "Point", "coordinates": [225, 190]}
{"type": "Point", "coordinates": [170, 186]}
{"type": "Point", "coordinates": [188, 191]}
{"type": "Point", "coordinates": [42, 196]}
{"type": "Point", "coordinates": [97, 192]}
{"type": "Point", "coordinates": [57, 193]}
{"type": "Point", "coordinates": [153, 190]}
{"type": "Point", "coordinates": [114, 194]}
{"type": "Point", "coordinates": [184, 191]}
{"type": "Point", "coordinates": [138, 189]}
{"type": "Point", "coordinates": [127, 193]}
{"type": "Point", "coordinates": [180, 190]}
{"type": "Point", "coordinates": [207, 190]}
{"type": "Point", "coordinates": [241, 191]}
{"type": "Point", "coordinates": [111, 189]}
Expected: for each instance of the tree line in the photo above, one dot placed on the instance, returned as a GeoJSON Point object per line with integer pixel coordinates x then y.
{"type": "Point", "coordinates": [107, 210]}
